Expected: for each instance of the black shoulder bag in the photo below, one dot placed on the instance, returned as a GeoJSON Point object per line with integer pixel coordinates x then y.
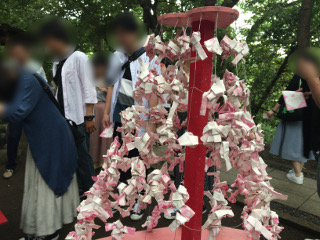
{"type": "Point", "coordinates": [78, 137]}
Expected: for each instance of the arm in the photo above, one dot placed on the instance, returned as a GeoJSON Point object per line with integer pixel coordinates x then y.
{"type": "Point", "coordinates": [107, 108]}
{"type": "Point", "coordinates": [25, 101]}
{"type": "Point", "coordinates": [90, 126]}
{"type": "Point", "coordinates": [153, 102]}
{"type": "Point", "coordinates": [308, 71]}
{"type": "Point", "coordinates": [314, 84]}
{"type": "Point", "coordinates": [274, 110]}
{"type": "Point", "coordinates": [88, 88]}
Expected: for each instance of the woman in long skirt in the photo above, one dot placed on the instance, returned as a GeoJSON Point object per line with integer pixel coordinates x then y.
{"type": "Point", "coordinates": [99, 145]}
{"type": "Point", "coordinates": [288, 141]}
{"type": "Point", "coordinates": [51, 192]}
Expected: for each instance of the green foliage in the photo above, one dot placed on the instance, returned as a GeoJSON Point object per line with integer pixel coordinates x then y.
{"type": "Point", "coordinates": [269, 131]}
{"type": "Point", "coordinates": [272, 32]}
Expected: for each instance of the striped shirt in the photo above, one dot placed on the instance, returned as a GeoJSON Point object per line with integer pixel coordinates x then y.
{"type": "Point", "coordinates": [125, 97]}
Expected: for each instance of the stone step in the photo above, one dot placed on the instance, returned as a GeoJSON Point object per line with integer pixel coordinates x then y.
{"type": "Point", "coordinates": [302, 206]}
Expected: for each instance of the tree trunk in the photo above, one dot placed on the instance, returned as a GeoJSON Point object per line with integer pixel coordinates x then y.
{"type": "Point", "coordinates": [101, 45]}
{"type": "Point", "coordinates": [229, 3]}
{"type": "Point", "coordinates": [210, 2]}
{"type": "Point", "coordinates": [226, 3]}
{"type": "Point", "coordinates": [303, 33]}
{"type": "Point", "coordinates": [151, 20]}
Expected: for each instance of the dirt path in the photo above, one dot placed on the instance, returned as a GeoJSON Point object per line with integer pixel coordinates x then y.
{"type": "Point", "coordinates": [11, 198]}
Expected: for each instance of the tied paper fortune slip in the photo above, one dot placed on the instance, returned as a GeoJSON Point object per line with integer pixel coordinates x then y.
{"type": "Point", "coordinates": [108, 132]}
{"type": "Point", "coordinates": [294, 100]}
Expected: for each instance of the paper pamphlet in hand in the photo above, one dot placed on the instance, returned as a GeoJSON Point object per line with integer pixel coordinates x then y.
{"type": "Point", "coordinates": [108, 132]}
{"type": "Point", "coordinates": [294, 100]}
{"type": "Point", "coordinates": [265, 116]}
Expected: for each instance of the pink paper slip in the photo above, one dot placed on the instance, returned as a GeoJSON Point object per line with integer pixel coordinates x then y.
{"type": "Point", "coordinates": [108, 132]}
{"type": "Point", "coordinates": [294, 100]}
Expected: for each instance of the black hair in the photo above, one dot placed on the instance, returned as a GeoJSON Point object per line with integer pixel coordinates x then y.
{"type": "Point", "coordinates": [126, 22]}
{"type": "Point", "coordinates": [100, 58]}
{"type": "Point", "coordinates": [22, 39]}
{"type": "Point", "coordinates": [56, 28]}
{"type": "Point", "coordinates": [8, 83]}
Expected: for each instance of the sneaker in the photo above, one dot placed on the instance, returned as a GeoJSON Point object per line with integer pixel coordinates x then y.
{"type": "Point", "coordinates": [292, 171]}
{"type": "Point", "coordinates": [136, 212]}
{"type": "Point", "coordinates": [8, 173]}
{"type": "Point", "coordinates": [292, 177]}
{"type": "Point", "coordinates": [172, 215]}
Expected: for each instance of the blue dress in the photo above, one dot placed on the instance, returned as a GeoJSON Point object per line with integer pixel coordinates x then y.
{"type": "Point", "coordinates": [49, 136]}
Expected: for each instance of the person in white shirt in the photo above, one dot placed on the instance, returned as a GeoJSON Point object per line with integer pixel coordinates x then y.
{"type": "Point", "coordinates": [124, 68]}
{"type": "Point", "coordinates": [76, 92]}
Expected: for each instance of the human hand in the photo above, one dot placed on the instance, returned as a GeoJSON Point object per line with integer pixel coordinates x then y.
{"type": "Point", "coordinates": [270, 114]}
{"type": "Point", "coordinates": [305, 94]}
{"type": "Point", "coordinates": [90, 126]}
{"type": "Point", "coordinates": [103, 89]}
{"type": "Point", "coordinates": [106, 121]}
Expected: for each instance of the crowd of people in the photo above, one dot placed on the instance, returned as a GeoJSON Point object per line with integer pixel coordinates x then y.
{"type": "Point", "coordinates": [63, 119]}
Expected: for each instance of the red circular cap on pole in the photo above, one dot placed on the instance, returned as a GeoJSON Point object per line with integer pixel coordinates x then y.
{"type": "Point", "coordinates": [226, 16]}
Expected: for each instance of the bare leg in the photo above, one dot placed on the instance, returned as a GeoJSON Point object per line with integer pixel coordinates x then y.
{"type": "Point", "coordinates": [297, 168]}
{"type": "Point", "coordinates": [301, 166]}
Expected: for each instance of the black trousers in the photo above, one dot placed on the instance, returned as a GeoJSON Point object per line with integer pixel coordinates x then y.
{"type": "Point", "coordinates": [124, 176]}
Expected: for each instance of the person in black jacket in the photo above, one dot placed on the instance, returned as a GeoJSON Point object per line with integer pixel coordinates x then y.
{"type": "Point", "coordinates": [308, 69]}
{"type": "Point", "coordinates": [289, 140]}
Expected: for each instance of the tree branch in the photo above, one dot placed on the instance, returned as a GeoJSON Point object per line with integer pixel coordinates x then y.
{"type": "Point", "coordinates": [229, 3]}
{"type": "Point", "coordinates": [269, 88]}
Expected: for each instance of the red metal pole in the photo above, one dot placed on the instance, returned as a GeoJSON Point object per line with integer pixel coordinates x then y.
{"type": "Point", "coordinates": [200, 78]}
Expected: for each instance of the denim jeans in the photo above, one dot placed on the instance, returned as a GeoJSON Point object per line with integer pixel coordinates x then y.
{"type": "Point", "coordinates": [15, 130]}
{"type": "Point", "coordinates": [85, 169]}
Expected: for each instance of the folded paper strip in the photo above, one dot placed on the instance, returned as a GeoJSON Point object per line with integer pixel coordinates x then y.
{"type": "Point", "coordinates": [230, 136]}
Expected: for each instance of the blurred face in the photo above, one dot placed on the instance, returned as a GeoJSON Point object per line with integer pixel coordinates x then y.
{"type": "Point", "coordinates": [19, 53]}
{"type": "Point", "coordinates": [126, 39]}
{"type": "Point", "coordinates": [100, 71]}
{"type": "Point", "coordinates": [55, 47]}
